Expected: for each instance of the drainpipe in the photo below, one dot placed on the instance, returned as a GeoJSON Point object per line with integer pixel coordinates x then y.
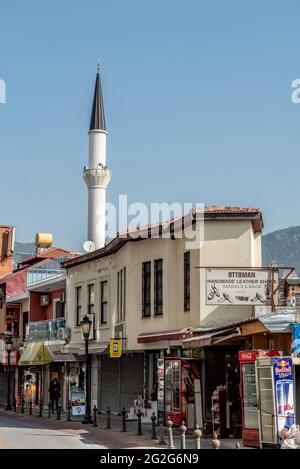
{"type": "Point", "coordinates": [145, 375]}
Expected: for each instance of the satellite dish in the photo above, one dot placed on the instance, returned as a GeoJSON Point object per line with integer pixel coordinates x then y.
{"type": "Point", "coordinates": [89, 246]}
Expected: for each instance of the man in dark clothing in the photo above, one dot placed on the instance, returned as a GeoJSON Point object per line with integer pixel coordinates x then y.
{"type": "Point", "coordinates": [54, 391]}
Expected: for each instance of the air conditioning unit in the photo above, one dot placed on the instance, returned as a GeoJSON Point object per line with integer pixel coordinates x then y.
{"type": "Point", "coordinates": [64, 333]}
{"type": "Point", "coordinates": [92, 333]}
{"type": "Point", "coordinates": [291, 301]}
{"type": "Point", "coordinates": [62, 298]}
{"type": "Point", "coordinates": [44, 300]}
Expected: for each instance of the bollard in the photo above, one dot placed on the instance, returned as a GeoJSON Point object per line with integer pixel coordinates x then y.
{"type": "Point", "coordinates": [139, 416]}
{"type": "Point", "coordinates": [30, 407]}
{"type": "Point", "coordinates": [161, 432]}
{"type": "Point", "coordinates": [58, 410]}
{"type": "Point", "coordinates": [215, 442]}
{"type": "Point", "coordinates": [22, 405]}
{"type": "Point", "coordinates": [15, 404]}
{"type": "Point", "coordinates": [123, 420]}
{"type": "Point", "coordinates": [183, 428]}
{"type": "Point", "coordinates": [153, 418]}
{"type": "Point", "coordinates": [49, 410]}
{"type": "Point", "coordinates": [69, 407]}
{"type": "Point", "coordinates": [198, 434]}
{"type": "Point", "coordinates": [41, 408]}
{"type": "Point", "coordinates": [108, 426]}
{"type": "Point", "coordinates": [237, 445]}
{"type": "Point", "coordinates": [95, 416]}
{"type": "Point", "coordinates": [170, 434]}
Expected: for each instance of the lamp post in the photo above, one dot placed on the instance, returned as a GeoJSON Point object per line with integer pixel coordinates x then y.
{"type": "Point", "coordinates": [86, 325]}
{"type": "Point", "coordinates": [8, 348]}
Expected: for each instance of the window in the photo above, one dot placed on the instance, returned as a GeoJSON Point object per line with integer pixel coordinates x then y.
{"type": "Point", "coordinates": [146, 289]}
{"type": "Point", "coordinates": [121, 292]}
{"type": "Point", "coordinates": [25, 322]}
{"type": "Point", "coordinates": [59, 309]}
{"type": "Point", "coordinates": [91, 299]}
{"type": "Point", "coordinates": [103, 302]}
{"type": "Point", "coordinates": [187, 281]}
{"type": "Point", "coordinates": [158, 287]}
{"type": "Point", "coordinates": [78, 305]}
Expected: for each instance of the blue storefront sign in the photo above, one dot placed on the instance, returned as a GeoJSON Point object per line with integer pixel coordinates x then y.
{"type": "Point", "coordinates": [284, 391]}
{"type": "Point", "coordinates": [296, 340]}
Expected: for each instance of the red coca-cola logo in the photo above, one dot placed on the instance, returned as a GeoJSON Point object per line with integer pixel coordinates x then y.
{"type": "Point", "coordinates": [247, 355]}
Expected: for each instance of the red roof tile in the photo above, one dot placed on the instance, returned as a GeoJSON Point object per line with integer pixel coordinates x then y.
{"type": "Point", "coordinates": [51, 253]}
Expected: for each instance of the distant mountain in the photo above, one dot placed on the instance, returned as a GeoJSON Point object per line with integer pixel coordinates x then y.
{"type": "Point", "coordinates": [23, 250]}
{"type": "Point", "coordinates": [282, 247]}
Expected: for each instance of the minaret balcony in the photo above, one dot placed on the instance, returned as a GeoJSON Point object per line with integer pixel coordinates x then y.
{"type": "Point", "coordinates": [99, 177]}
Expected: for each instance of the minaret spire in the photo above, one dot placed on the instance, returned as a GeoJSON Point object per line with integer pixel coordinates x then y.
{"type": "Point", "coordinates": [97, 176]}
{"type": "Point", "coordinates": [98, 116]}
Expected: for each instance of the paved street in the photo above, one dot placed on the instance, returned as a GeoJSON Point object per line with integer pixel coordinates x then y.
{"type": "Point", "coordinates": [18, 431]}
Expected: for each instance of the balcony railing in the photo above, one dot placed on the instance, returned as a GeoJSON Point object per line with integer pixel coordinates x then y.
{"type": "Point", "coordinates": [45, 330]}
{"type": "Point", "coordinates": [46, 271]}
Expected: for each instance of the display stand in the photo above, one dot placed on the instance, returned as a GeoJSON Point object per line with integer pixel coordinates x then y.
{"type": "Point", "coordinates": [218, 408]}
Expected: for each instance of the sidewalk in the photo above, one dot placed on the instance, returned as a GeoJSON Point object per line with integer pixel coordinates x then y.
{"type": "Point", "coordinates": [114, 438]}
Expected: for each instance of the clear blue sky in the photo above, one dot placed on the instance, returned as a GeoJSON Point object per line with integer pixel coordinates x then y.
{"type": "Point", "coordinates": [197, 100]}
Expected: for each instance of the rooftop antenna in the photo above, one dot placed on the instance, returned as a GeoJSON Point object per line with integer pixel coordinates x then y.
{"type": "Point", "coordinates": [98, 65]}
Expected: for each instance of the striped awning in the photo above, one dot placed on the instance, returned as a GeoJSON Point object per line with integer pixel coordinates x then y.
{"type": "Point", "coordinates": [59, 355]}
{"type": "Point", "coordinates": [177, 334]}
{"type": "Point", "coordinates": [35, 353]}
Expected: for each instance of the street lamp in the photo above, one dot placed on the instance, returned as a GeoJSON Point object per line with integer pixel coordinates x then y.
{"type": "Point", "coordinates": [8, 348]}
{"type": "Point", "coordinates": [86, 325]}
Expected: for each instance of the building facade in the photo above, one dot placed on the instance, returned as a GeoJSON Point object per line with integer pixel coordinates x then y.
{"type": "Point", "coordinates": [151, 294]}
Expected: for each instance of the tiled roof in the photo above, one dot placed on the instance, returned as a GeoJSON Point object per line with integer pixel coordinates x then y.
{"type": "Point", "coordinates": [51, 253]}
{"type": "Point", "coordinates": [215, 212]}
{"type": "Point", "coordinates": [222, 209]}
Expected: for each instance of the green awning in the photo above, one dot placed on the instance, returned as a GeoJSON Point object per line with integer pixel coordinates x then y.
{"type": "Point", "coordinates": [35, 353]}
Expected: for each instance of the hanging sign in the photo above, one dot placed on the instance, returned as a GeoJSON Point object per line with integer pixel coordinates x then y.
{"type": "Point", "coordinates": [225, 287]}
{"type": "Point", "coordinates": [115, 348]}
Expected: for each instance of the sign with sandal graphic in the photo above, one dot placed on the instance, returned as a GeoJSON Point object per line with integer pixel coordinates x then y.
{"type": "Point", "coordinates": [240, 287]}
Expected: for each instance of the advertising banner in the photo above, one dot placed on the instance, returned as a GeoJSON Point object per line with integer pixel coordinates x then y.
{"type": "Point", "coordinates": [78, 402]}
{"type": "Point", "coordinates": [284, 392]}
{"type": "Point", "coordinates": [115, 348]}
{"type": "Point", "coordinates": [252, 287]}
{"type": "Point", "coordinates": [296, 340]}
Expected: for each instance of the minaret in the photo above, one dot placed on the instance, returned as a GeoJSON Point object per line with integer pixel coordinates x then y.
{"type": "Point", "coordinates": [97, 175]}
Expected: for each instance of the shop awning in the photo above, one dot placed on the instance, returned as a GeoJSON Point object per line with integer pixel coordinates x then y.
{"type": "Point", "coordinates": [58, 355]}
{"type": "Point", "coordinates": [211, 339]}
{"type": "Point", "coordinates": [177, 334]}
{"type": "Point", "coordinates": [36, 353]}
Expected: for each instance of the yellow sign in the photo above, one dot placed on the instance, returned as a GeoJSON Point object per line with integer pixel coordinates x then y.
{"type": "Point", "coordinates": [115, 348]}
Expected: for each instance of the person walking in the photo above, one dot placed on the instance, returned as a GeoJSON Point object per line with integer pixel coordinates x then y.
{"type": "Point", "coordinates": [54, 391]}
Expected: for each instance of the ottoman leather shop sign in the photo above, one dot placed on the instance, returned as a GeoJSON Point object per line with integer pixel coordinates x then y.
{"type": "Point", "coordinates": [241, 286]}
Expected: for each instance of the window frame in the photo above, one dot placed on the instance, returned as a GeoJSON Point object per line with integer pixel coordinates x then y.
{"type": "Point", "coordinates": [158, 287]}
{"type": "Point", "coordinates": [102, 303]}
{"type": "Point", "coordinates": [90, 305]}
{"type": "Point", "coordinates": [187, 281]}
{"type": "Point", "coordinates": [146, 289]}
{"type": "Point", "coordinates": [78, 307]}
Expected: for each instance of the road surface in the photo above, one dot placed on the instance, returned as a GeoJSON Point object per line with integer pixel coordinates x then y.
{"type": "Point", "coordinates": [17, 433]}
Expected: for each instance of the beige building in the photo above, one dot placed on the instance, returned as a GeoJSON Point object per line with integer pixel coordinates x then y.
{"type": "Point", "coordinates": [151, 292]}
